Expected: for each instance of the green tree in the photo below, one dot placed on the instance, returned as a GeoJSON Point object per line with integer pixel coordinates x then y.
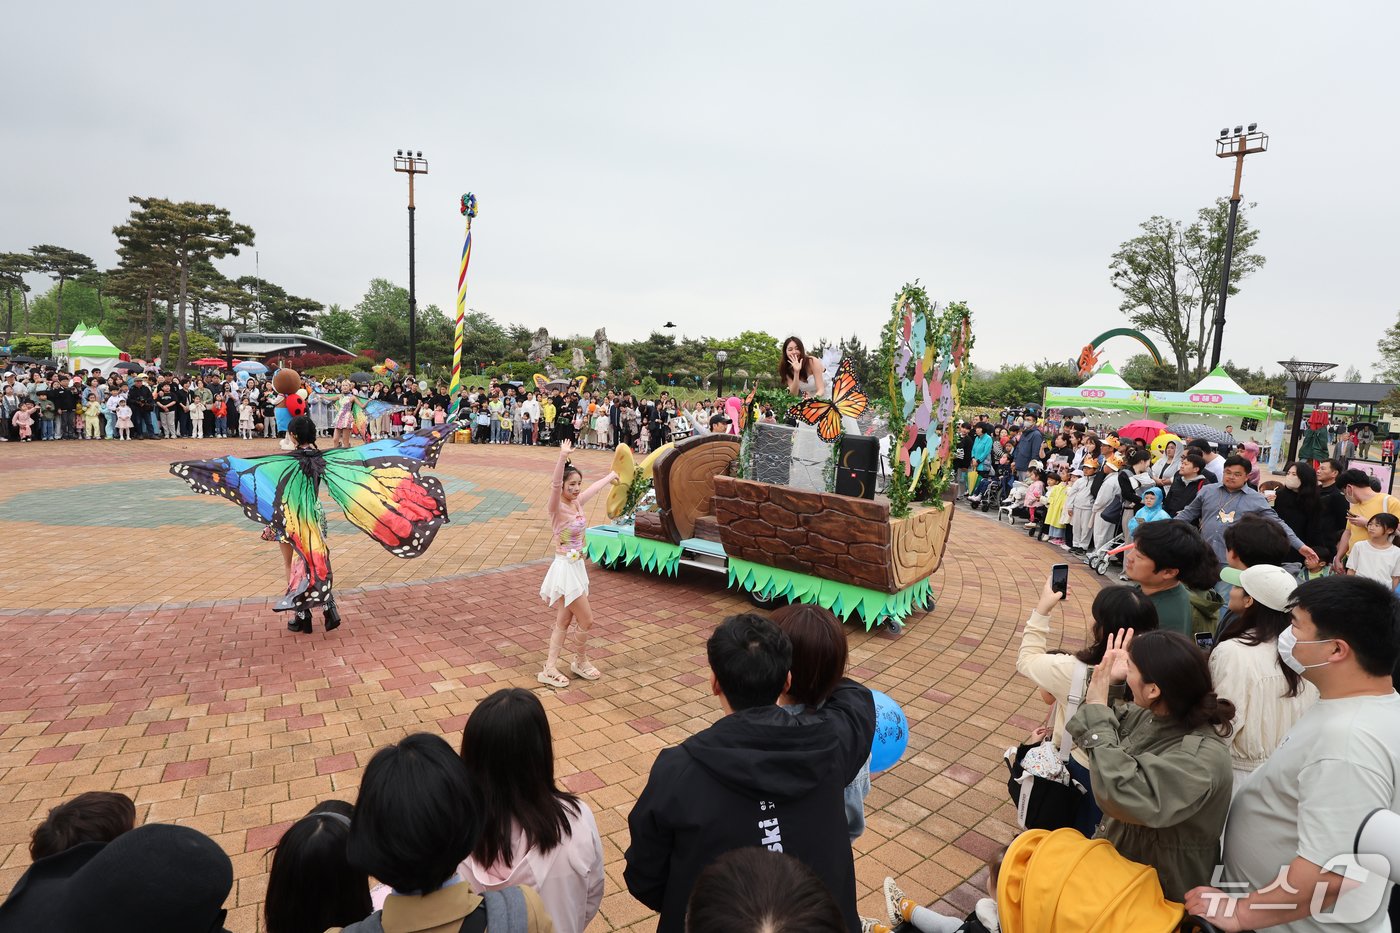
{"type": "Point", "coordinates": [482, 337]}
{"type": "Point", "coordinates": [293, 314]}
{"type": "Point", "coordinates": [339, 327]}
{"type": "Point", "coordinates": [1056, 373]}
{"type": "Point", "coordinates": [61, 265]}
{"type": "Point", "coordinates": [1146, 375]}
{"type": "Point", "coordinates": [186, 233]}
{"type": "Point", "coordinates": [1389, 366]}
{"type": "Point", "coordinates": [1016, 385]}
{"type": "Point", "coordinates": [1170, 275]}
{"type": "Point", "coordinates": [383, 317]}
{"type": "Point", "coordinates": [13, 268]}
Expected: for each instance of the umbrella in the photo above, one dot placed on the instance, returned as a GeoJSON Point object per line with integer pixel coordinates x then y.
{"type": "Point", "coordinates": [1202, 432]}
{"type": "Point", "coordinates": [250, 366]}
{"type": "Point", "coordinates": [359, 377]}
{"type": "Point", "coordinates": [1362, 424]}
{"type": "Point", "coordinates": [23, 359]}
{"type": "Point", "coordinates": [1072, 412]}
{"type": "Point", "coordinates": [1145, 430]}
{"type": "Point", "coordinates": [130, 366]}
{"type": "Point", "coordinates": [209, 361]}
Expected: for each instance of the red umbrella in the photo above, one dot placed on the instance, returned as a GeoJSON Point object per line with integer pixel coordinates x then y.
{"type": "Point", "coordinates": [1145, 430]}
{"type": "Point", "coordinates": [209, 361]}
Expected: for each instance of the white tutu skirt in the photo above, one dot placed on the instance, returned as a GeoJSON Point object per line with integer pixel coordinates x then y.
{"type": "Point", "coordinates": [566, 579]}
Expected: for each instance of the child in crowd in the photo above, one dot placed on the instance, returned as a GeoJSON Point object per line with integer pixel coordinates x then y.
{"type": "Point", "coordinates": [124, 419]}
{"type": "Point", "coordinates": [483, 424]}
{"type": "Point", "coordinates": [197, 414]}
{"type": "Point", "coordinates": [1056, 517]}
{"type": "Point", "coordinates": [409, 421]}
{"type": "Point", "coordinates": [220, 409]}
{"type": "Point", "coordinates": [1151, 510]}
{"type": "Point", "coordinates": [505, 422]}
{"type": "Point", "coordinates": [245, 420]}
{"type": "Point", "coordinates": [902, 909]}
{"type": "Point", "coordinates": [23, 420]}
{"type": "Point", "coordinates": [47, 414]}
{"type": "Point", "coordinates": [269, 413]}
{"type": "Point", "coordinates": [92, 418]}
{"type": "Point", "coordinates": [1377, 558]}
{"type": "Point", "coordinates": [439, 415]}
{"type": "Point", "coordinates": [1034, 503]}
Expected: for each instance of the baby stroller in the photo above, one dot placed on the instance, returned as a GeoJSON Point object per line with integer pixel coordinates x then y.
{"type": "Point", "coordinates": [1057, 882]}
{"type": "Point", "coordinates": [992, 490]}
{"type": "Point", "coordinates": [1099, 559]}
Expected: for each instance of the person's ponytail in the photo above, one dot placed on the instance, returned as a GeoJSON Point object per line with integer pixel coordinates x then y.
{"type": "Point", "coordinates": [1178, 669]}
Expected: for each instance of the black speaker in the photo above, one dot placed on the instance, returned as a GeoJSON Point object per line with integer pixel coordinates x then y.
{"type": "Point", "coordinates": [855, 472]}
{"type": "Point", "coordinates": [772, 454]}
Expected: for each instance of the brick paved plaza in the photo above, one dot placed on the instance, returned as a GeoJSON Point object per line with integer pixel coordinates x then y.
{"type": "Point", "coordinates": [139, 652]}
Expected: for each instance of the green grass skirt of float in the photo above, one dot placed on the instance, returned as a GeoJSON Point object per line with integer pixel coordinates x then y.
{"type": "Point", "coordinates": [653, 556]}
{"type": "Point", "coordinates": [843, 599]}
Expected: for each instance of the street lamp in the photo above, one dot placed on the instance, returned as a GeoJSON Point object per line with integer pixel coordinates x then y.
{"type": "Point", "coordinates": [411, 163]}
{"type": "Point", "coordinates": [228, 333]}
{"type": "Point", "coordinates": [720, 357]}
{"type": "Point", "coordinates": [1304, 374]}
{"type": "Point", "coordinates": [1232, 145]}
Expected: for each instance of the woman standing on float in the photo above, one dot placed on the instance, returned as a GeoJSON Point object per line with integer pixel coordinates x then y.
{"type": "Point", "coordinates": [802, 374]}
{"type": "Point", "coordinates": [566, 583]}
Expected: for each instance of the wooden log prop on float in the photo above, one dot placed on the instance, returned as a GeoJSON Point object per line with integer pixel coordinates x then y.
{"type": "Point", "coordinates": [869, 559]}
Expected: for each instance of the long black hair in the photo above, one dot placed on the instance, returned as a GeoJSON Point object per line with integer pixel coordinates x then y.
{"type": "Point", "coordinates": [303, 430]}
{"type": "Point", "coordinates": [1116, 608]}
{"type": "Point", "coordinates": [1308, 496]}
{"type": "Point", "coordinates": [312, 886]}
{"type": "Point", "coordinates": [1178, 668]}
{"type": "Point", "coordinates": [509, 754]}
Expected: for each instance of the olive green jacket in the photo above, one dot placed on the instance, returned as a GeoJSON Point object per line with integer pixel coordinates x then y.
{"type": "Point", "coordinates": [1164, 791]}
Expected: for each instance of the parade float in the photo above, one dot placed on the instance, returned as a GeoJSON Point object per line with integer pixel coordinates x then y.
{"type": "Point", "coordinates": [784, 530]}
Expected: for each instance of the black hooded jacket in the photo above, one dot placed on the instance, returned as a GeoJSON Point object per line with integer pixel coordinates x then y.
{"type": "Point", "coordinates": [758, 777]}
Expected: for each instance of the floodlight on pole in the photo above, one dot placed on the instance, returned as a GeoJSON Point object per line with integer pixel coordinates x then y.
{"type": "Point", "coordinates": [1232, 146]}
{"type": "Point", "coordinates": [1304, 374]}
{"type": "Point", "coordinates": [411, 164]}
{"type": "Point", "coordinates": [228, 333]}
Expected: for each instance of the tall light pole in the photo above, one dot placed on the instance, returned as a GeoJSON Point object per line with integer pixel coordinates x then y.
{"type": "Point", "coordinates": [1304, 374]}
{"type": "Point", "coordinates": [411, 163]}
{"type": "Point", "coordinates": [720, 357]}
{"type": "Point", "coordinates": [1242, 142]}
{"type": "Point", "coordinates": [228, 333]}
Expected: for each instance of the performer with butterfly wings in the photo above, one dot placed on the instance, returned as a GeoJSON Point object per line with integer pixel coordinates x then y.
{"type": "Point", "coordinates": [377, 485]}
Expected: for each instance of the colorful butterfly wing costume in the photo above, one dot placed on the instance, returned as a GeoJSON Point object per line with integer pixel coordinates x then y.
{"type": "Point", "coordinates": [846, 399]}
{"type": "Point", "coordinates": [363, 409]}
{"type": "Point", "coordinates": [377, 485]}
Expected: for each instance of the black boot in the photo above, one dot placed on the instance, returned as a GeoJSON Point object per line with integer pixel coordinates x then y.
{"type": "Point", "coordinates": [331, 614]}
{"type": "Point", "coordinates": [301, 622]}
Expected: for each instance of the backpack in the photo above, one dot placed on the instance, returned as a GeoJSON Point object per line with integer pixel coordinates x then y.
{"type": "Point", "coordinates": [503, 911]}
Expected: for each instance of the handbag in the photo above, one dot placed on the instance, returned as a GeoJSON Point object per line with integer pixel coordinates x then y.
{"type": "Point", "coordinates": [1045, 794]}
{"type": "Point", "coordinates": [1113, 513]}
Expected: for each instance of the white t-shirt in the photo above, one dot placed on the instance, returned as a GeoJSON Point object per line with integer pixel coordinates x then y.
{"type": "Point", "coordinates": [1338, 763]}
{"type": "Point", "coordinates": [1217, 468]}
{"type": "Point", "coordinates": [1373, 563]}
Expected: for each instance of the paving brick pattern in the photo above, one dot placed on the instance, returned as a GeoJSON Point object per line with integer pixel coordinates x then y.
{"type": "Point", "coordinates": [123, 669]}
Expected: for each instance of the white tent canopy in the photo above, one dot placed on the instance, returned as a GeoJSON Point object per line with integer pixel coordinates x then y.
{"type": "Point", "coordinates": [1104, 391]}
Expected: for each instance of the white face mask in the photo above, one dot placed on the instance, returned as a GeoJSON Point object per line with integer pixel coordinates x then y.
{"type": "Point", "coordinates": [1291, 482]}
{"type": "Point", "coordinates": [1286, 643]}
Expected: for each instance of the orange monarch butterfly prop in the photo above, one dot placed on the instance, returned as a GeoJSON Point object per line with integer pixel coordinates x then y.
{"type": "Point", "coordinates": [846, 400]}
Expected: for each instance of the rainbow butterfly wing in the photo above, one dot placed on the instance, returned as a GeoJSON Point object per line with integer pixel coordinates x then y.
{"type": "Point", "coordinates": [385, 498]}
{"type": "Point", "coordinates": [298, 518]}
{"type": "Point", "coordinates": [423, 445]}
{"type": "Point", "coordinates": [279, 491]}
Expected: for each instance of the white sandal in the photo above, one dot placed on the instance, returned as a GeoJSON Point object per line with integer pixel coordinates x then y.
{"type": "Point", "coordinates": [587, 673]}
{"type": "Point", "coordinates": [551, 677]}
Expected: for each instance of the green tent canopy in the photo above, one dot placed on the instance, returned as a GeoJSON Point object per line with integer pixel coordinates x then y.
{"type": "Point", "coordinates": [1216, 394]}
{"type": "Point", "coordinates": [86, 348]}
{"type": "Point", "coordinates": [1105, 390]}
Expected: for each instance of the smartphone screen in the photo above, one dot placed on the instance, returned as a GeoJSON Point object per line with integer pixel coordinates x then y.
{"type": "Point", "coordinates": [1205, 640]}
{"type": "Point", "coordinates": [1059, 578]}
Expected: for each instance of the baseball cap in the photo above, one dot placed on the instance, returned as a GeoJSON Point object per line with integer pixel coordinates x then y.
{"type": "Point", "coordinates": [719, 419]}
{"type": "Point", "coordinates": [1265, 583]}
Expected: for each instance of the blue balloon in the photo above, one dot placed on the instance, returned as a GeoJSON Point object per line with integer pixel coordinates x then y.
{"type": "Point", "coordinates": [891, 733]}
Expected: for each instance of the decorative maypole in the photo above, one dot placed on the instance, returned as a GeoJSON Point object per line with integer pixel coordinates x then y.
{"type": "Point", "coordinates": [468, 211]}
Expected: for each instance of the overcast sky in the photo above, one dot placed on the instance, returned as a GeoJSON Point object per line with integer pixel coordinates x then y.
{"type": "Point", "coordinates": [732, 165]}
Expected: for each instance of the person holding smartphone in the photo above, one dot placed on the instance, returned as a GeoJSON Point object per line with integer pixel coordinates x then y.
{"type": "Point", "coordinates": [1115, 609]}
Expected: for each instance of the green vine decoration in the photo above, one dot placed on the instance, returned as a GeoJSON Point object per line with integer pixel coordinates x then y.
{"type": "Point", "coordinates": [635, 491]}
